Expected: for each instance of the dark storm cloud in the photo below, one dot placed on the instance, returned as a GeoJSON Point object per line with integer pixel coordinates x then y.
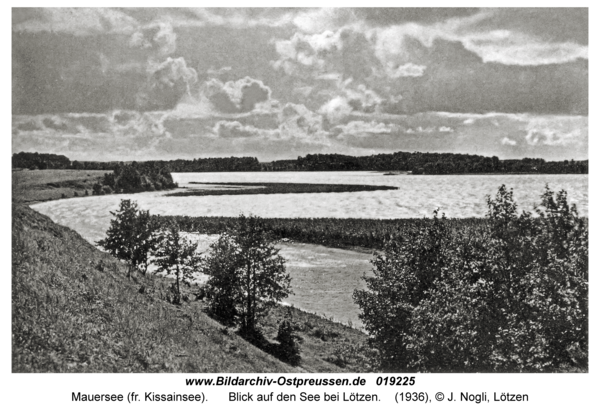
{"type": "Point", "coordinates": [58, 73]}
{"type": "Point", "coordinates": [457, 80]}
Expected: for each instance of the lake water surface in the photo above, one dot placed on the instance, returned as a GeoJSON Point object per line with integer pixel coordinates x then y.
{"type": "Point", "coordinates": [323, 278]}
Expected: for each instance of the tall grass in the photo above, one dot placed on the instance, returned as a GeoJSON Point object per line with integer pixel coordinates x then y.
{"type": "Point", "coordinates": [333, 232]}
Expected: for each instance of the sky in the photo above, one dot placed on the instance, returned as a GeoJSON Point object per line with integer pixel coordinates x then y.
{"type": "Point", "coordinates": [278, 83]}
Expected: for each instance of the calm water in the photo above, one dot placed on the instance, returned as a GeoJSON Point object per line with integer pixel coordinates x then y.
{"type": "Point", "coordinates": [324, 278]}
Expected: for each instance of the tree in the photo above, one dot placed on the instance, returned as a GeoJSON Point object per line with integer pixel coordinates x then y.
{"type": "Point", "coordinates": [512, 296]}
{"type": "Point", "coordinates": [247, 275]}
{"type": "Point", "coordinates": [224, 288]}
{"type": "Point", "coordinates": [176, 256]}
{"type": "Point", "coordinates": [403, 274]}
{"type": "Point", "coordinates": [130, 236]}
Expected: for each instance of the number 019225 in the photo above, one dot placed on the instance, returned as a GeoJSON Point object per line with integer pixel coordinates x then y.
{"type": "Point", "coordinates": [396, 381]}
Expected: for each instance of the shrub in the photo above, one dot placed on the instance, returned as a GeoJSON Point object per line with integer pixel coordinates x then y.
{"type": "Point", "coordinates": [97, 189]}
{"type": "Point", "coordinates": [289, 350]}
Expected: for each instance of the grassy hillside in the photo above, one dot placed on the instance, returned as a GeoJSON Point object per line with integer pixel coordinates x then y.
{"type": "Point", "coordinates": [74, 310]}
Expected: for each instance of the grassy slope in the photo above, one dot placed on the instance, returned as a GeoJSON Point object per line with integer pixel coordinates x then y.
{"type": "Point", "coordinates": [74, 310]}
{"type": "Point", "coordinates": [42, 185]}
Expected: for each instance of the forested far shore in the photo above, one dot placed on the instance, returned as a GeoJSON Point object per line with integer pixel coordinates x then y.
{"type": "Point", "coordinates": [415, 163]}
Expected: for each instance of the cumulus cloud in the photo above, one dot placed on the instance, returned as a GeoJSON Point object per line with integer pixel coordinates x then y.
{"type": "Point", "coordinates": [318, 20]}
{"type": "Point", "coordinates": [550, 137]}
{"type": "Point", "coordinates": [89, 136]}
{"type": "Point", "coordinates": [306, 52]}
{"type": "Point", "coordinates": [348, 98]}
{"type": "Point", "coordinates": [405, 70]}
{"type": "Point", "coordinates": [240, 96]}
{"type": "Point", "coordinates": [231, 99]}
{"type": "Point", "coordinates": [298, 122]}
{"type": "Point", "coordinates": [141, 126]}
{"type": "Point", "coordinates": [336, 110]}
{"type": "Point", "coordinates": [165, 38]}
{"type": "Point", "coordinates": [159, 40]}
{"type": "Point", "coordinates": [361, 128]}
{"type": "Point", "coordinates": [171, 71]}
{"type": "Point", "coordinates": [212, 72]}
{"type": "Point", "coordinates": [557, 131]}
{"type": "Point", "coordinates": [168, 82]}
{"type": "Point", "coordinates": [294, 123]}
{"type": "Point", "coordinates": [233, 129]}
{"type": "Point", "coordinates": [508, 142]}
{"type": "Point", "coordinates": [362, 99]}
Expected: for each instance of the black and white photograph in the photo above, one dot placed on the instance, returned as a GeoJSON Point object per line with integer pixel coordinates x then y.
{"type": "Point", "coordinates": [300, 190]}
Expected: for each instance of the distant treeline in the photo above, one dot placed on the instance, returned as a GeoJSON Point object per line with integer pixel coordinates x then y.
{"type": "Point", "coordinates": [36, 160]}
{"type": "Point", "coordinates": [416, 163]}
{"type": "Point", "coordinates": [217, 164]}
{"type": "Point", "coordinates": [26, 160]}
{"type": "Point", "coordinates": [435, 163]}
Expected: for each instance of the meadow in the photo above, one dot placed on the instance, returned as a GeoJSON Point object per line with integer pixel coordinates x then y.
{"type": "Point", "coordinates": [32, 186]}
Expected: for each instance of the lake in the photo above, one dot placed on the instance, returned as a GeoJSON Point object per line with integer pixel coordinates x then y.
{"type": "Point", "coordinates": [323, 278]}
